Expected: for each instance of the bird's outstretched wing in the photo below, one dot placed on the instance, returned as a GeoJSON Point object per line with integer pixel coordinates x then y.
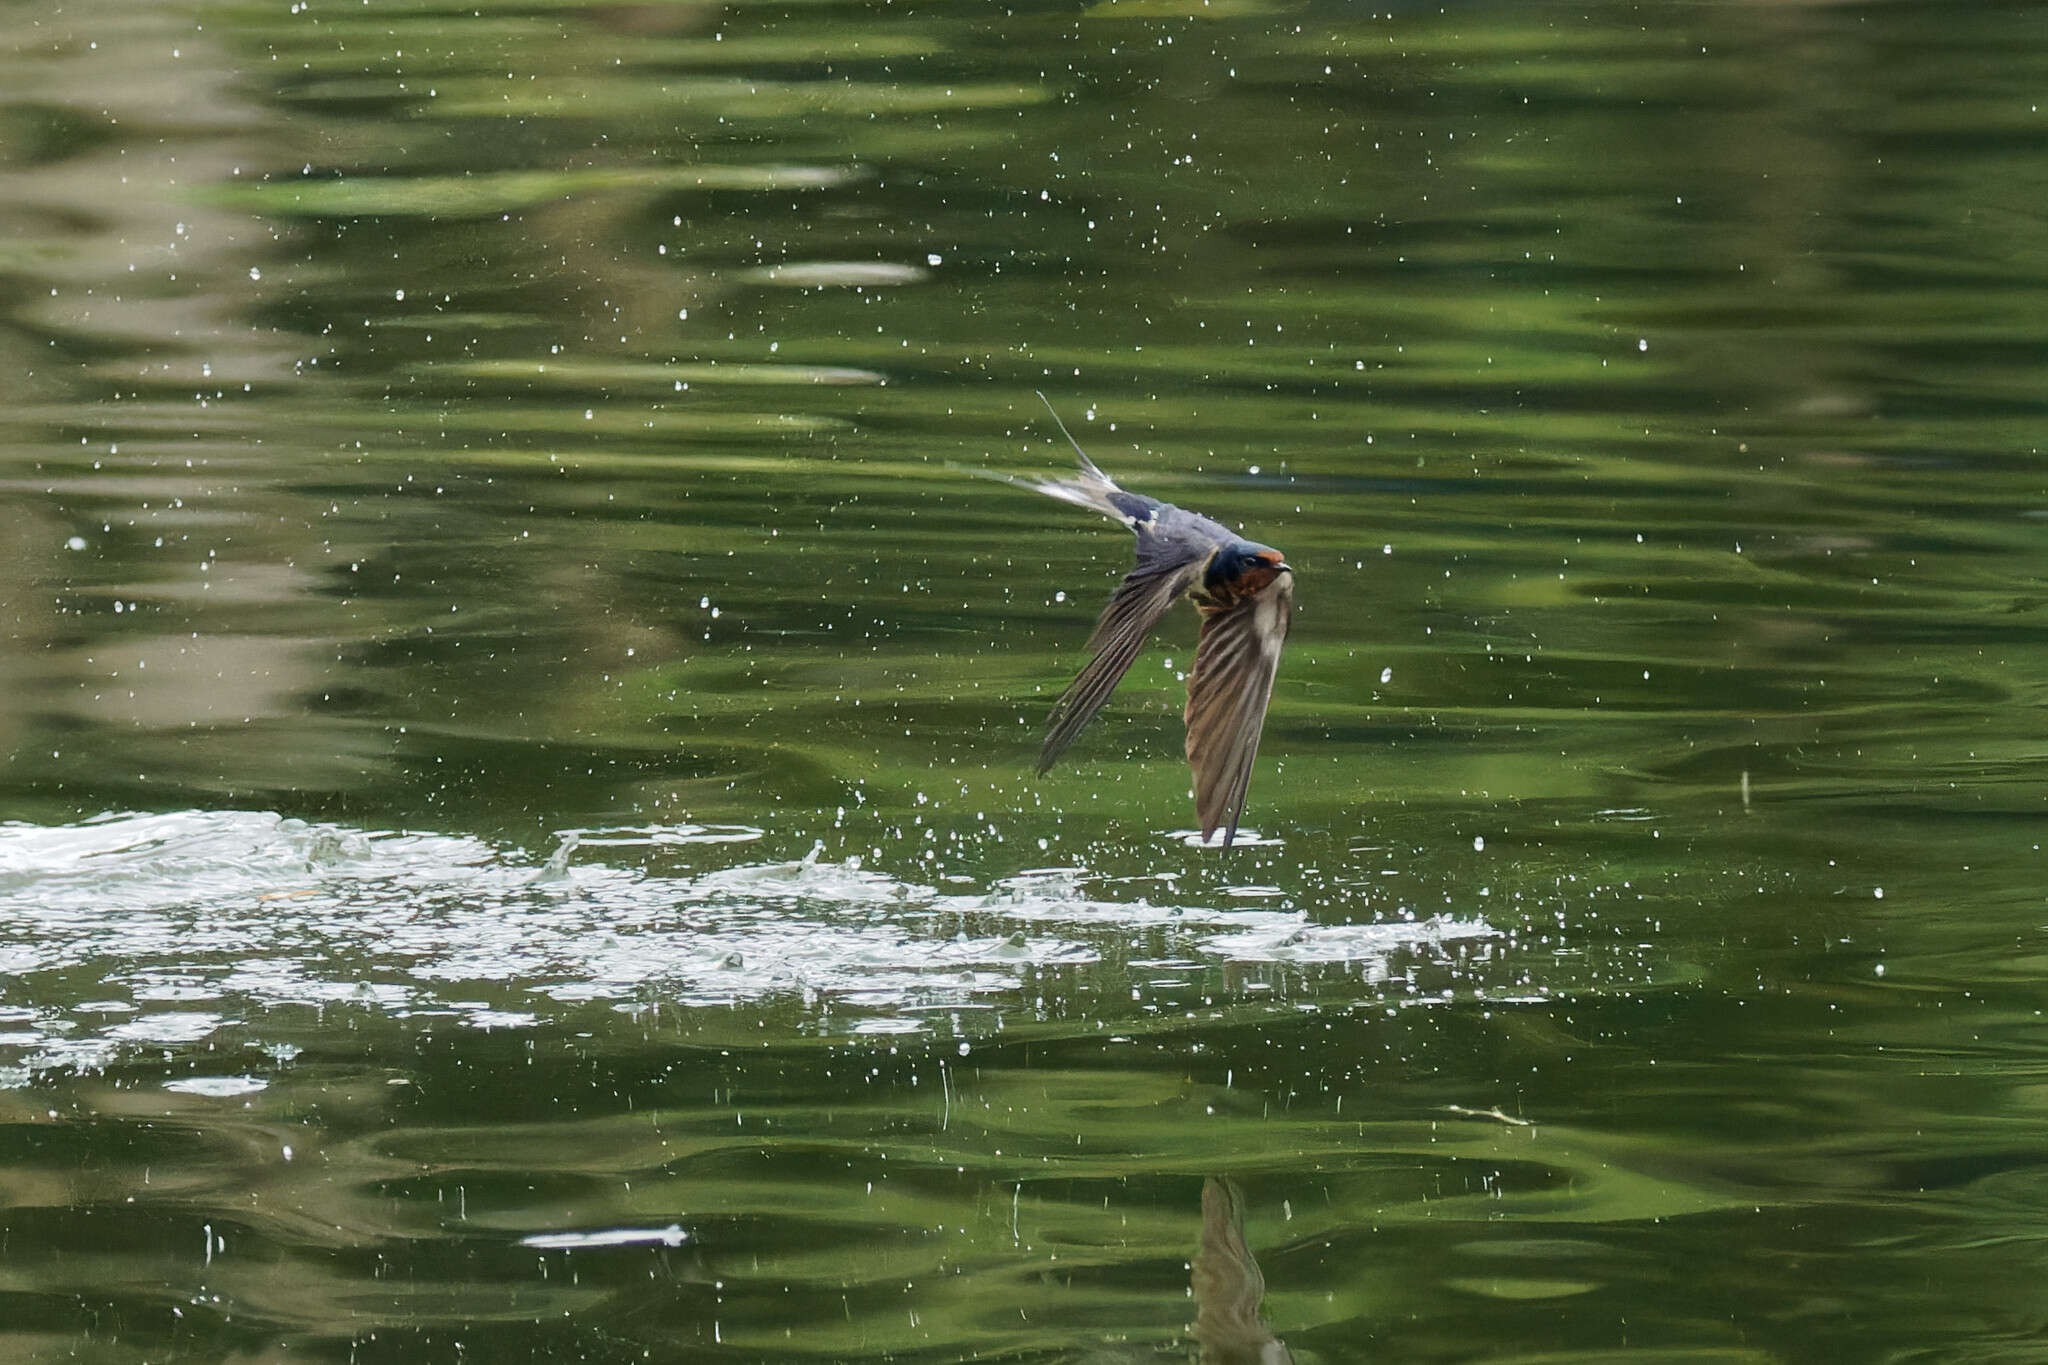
{"type": "Point", "coordinates": [1227, 694]}
{"type": "Point", "coordinates": [1141, 599]}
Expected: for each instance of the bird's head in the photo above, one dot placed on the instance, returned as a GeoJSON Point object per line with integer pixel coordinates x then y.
{"type": "Point", "coordinates": [1245, 566]}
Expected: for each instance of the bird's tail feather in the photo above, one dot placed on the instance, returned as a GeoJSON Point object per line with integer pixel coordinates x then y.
{"type": "Point", "coordinates": [1090, 488]}
{"type": "Point", "coordinates": [1088, 469]}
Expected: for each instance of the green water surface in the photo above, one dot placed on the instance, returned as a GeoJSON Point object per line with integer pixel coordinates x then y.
{"type": "Point", "coordinates": [521, 841]}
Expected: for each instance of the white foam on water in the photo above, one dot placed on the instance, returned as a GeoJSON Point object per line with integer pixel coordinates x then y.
{"type": "Point", "coordinates": [197, 921]}
{"type": "Point", "coordinates": [670, 1236]}
{"type": "Point", "coordinates": [218, 1087]}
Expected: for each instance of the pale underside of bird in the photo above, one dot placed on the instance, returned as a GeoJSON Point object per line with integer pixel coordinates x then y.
{"type": "Point", "coordinates": [1245, 594]}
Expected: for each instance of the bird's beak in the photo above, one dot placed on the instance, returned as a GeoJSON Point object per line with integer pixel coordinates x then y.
{"type": "Point", "coordinates": [1283, 567]}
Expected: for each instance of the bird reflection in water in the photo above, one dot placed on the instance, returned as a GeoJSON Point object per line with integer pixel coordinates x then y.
{"type": "Point", "coordinates": [1228, 1286]}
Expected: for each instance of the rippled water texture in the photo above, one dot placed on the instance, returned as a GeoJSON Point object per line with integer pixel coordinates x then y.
{"type": "Point", "coordinates": [518, 837]}
{"type": "Point", "coordinates": [195, 921]}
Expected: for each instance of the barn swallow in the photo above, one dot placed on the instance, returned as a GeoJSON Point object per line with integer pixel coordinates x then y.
{"type": "Point", "coordinates": [1245, 594]}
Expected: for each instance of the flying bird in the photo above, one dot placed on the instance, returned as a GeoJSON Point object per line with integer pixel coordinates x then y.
{"type": "Point", "coordinates": [1245, 594]}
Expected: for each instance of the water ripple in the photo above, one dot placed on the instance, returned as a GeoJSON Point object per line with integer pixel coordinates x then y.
{"type": "Point", "coordinates": [190, 922]}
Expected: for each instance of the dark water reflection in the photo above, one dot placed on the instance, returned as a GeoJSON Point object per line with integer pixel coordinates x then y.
{"type": "Point", "coordinates": [520, 840]}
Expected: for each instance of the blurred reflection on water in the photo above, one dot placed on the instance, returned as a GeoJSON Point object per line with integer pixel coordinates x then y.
{"type": "Point", "coordinates": [1227, 1286]}
{"type": "Point", "coordinates": [520, 842]}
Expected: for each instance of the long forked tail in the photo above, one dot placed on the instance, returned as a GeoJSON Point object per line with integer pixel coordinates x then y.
{"type": "Point", "coordinates": [1090, 488]}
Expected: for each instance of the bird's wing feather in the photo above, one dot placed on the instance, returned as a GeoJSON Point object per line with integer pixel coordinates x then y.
{"type": "Point", "coordinates": [1140, 601]}
{"type": "Point", "coordinates": [1227, 694]}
